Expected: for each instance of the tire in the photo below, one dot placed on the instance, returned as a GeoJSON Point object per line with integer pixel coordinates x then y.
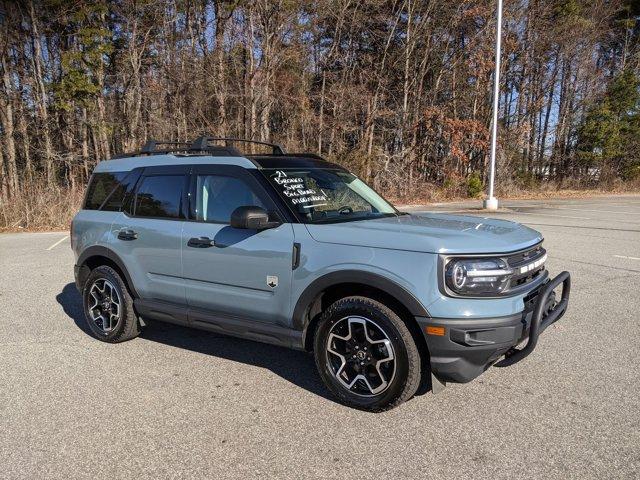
{"type": "Point", "coordinates": [102, 285]}
{"type": "Point", "coordinates": [340, 341]}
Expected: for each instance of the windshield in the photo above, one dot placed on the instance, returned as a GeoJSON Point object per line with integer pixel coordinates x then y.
{"type": "Point", "coordinates": [321, 195]}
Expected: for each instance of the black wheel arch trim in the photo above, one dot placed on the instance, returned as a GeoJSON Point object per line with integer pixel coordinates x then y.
{"type": "Point", "coordinates": [102, 251]}
{"type": "Point", "coordinates": [407, 299]}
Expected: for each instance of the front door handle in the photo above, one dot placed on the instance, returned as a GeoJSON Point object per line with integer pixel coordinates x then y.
{"type": "Point", "coordinates": [127, 235]}
{"type": "Point", "coordinates": [201, 242]}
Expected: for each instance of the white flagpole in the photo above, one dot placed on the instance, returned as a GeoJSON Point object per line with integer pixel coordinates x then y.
{"type": "Point", "coordinates": [491, 203]}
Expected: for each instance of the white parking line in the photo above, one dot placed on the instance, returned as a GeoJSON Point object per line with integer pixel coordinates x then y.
{"type": "Point", "coordinates": [598, 204]}
{"type": "Point", "coordinates": [627, 258]}
{"type": "Point", "coordinates": [533, 205]}
{"type": "Point", "coordinates": [488, 214]}
{"type": "Point", "coordinates": [601, 211]}
{"type": "Point", "coordinates": [58, 242]}
{"type": "Point", "coordinates": [548, 215]}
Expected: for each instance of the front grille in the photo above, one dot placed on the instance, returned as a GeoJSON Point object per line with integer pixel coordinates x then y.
{"type": "Point", "coordinates": [524, 266]}
{"type": "Point", "coordinates": [526, 257]}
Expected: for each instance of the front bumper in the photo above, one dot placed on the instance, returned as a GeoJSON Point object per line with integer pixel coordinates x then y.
{"type": "Point", "coordinates": [467, 347]}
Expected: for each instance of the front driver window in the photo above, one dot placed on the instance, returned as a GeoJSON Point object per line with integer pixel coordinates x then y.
{"type": "Point", "coordinates": [217, 196]}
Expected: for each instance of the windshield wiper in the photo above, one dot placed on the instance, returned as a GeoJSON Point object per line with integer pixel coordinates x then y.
{"type": "Point", "coordinates": [343, 219]}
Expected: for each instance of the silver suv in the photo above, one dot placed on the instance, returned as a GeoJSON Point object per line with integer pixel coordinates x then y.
{"type": "Point", "coordinates": [296, 251]}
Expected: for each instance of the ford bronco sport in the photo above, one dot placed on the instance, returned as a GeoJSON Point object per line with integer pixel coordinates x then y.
{"type": "Point", "coordinates": [296, 251]}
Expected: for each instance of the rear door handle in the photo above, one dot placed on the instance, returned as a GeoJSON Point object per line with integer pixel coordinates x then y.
{"type": "Point", "coordinates": [127, 235]}
{"type": "Point", "coordinates": [201, 242]}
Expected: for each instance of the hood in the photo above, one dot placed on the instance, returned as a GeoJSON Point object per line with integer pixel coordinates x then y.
{"type": "Point", "coordinates": [432, 233]}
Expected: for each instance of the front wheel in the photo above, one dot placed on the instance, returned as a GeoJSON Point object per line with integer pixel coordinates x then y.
{"type": "Point", "coordinates": [366, 355]}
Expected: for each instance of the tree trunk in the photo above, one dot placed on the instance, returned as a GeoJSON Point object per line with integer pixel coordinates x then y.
{"type": "Point", "coordinates": [7, 121]}
{"type": "Point", "coordinates": [41, 97]}
{"type": "Point", "coordinates": [220, 84]}
{"type": "Point", "coordinates": [84, 139]}
{"type": "Point", "coordinates": [321, 116]}
{"type": "Point", "coordinates": [4, 181]}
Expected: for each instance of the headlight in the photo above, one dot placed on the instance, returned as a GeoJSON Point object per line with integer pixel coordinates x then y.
{"type": "Point", "coordinates": [477, 276]}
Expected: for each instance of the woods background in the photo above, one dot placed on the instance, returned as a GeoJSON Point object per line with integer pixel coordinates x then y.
{"type": "Point", "coordinates": [398, 91]}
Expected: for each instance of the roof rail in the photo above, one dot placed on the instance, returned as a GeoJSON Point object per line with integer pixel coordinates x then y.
{"type": "Point", "coordinates": [152, 146]}
{"type": "Point", "coordinates": [202, 143]}
{"type": "Point", "coordinates": [199, 145]}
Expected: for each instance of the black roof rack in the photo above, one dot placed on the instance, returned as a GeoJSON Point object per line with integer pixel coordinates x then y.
{"type": "Point", "coordinates": [203, 143]}
{"type": "Point", "coordinates": [152, 146]}
{"type": "Point", "coordinates": [199, 145]}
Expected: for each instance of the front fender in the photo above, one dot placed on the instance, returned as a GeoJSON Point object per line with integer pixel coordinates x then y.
{"type": "Point", "coordinates": [354, 276]}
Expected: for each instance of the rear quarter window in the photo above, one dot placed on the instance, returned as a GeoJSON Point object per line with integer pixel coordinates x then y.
{"type": "Point", "coordinates": [106, 191]}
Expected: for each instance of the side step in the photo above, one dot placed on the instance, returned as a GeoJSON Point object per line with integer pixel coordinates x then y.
{"type": "Point", "coordinates": [219, 323]}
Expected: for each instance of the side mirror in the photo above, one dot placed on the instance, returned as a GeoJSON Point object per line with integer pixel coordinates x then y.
{"type": "Point", "coordinates": [251, 218]}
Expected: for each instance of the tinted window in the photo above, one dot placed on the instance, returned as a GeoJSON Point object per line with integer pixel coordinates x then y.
{"type": "Point", "coordinates": [159, 196]}
{"type": "Point", "coordinates": [218, 196]}
{"type": "Point", "coordinates": [103, 186]}
{"type": "Point", "coordinates": [121, 196]}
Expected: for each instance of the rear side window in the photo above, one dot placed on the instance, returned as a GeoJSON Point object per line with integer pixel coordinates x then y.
{"type": "Point", "coordinates": [160, 196]}
{"type": "Point", "coordinates": [103, 186]}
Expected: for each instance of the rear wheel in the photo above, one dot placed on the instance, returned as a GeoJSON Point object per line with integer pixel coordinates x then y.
{"type": "Point", "coordinates": [108, 306]}
{"type": "Point", "coordinates": [366, 355]}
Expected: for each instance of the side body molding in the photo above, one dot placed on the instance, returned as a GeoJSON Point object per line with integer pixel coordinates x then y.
{"type": "Point", "coordinates": [355, 276]}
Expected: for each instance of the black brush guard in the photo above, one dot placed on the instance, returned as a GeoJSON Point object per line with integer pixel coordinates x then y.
{"type": "Point", "coordinates": [542, 317]}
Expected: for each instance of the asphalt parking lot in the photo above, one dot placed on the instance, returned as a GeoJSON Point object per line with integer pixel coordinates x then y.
{"type": "Point", "coordinates": [182, 403]}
